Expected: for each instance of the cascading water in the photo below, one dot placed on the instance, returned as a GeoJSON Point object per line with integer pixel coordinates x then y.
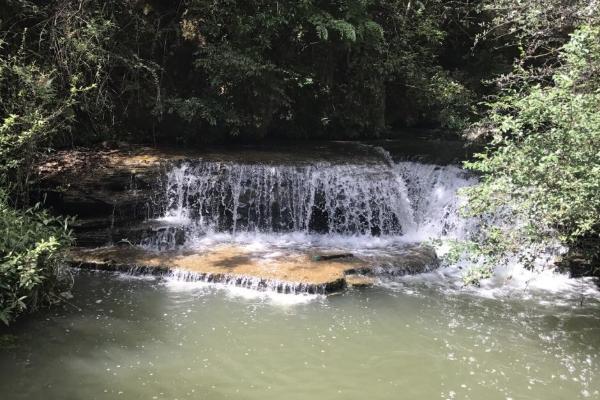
{"type": "Point", "coordinates": [406, 200]}
{"type": "Point", "coordinates": [434, 196]}
{"type": "Point", "coordinates": [373, 209]}
{"type": "Point", "coordinates": [343, 199]}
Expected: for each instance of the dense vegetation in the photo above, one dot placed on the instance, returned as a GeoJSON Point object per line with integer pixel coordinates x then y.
{"type": "Point", "coordinates": [542, 166]}
{"type": "Point", "coordinates": [32, 264]}
{"type": "Point", "coordinates": [520, 76]}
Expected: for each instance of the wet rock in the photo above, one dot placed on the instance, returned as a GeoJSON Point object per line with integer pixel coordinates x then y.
{"type": "Point", "coordinates": [224, 263]}
{"type": "Point", "coordinates": [325, 257]}
{"type": "Point", "coordinates": [118, 195]}
{"type": "Point", "coordinates": [411, 260]}
{"type": "Point", "coordinates": [108, 191]}
{"type": "Point", "coordinates": [408, 260]}
{"type": "Point", "coordinates": [112, 190]}
{"type": "Point", "coordinates": [360, 280]}
{"type": "Point", "coordinates": [238, 264]}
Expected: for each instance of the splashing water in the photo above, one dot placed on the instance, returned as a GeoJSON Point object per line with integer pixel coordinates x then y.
{"type": "Point", "coordinates": [342, 199]}
{"type": "Point", "coordinates": [405, 199]}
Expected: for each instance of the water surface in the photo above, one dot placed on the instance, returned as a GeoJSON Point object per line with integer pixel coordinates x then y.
{"type": "Point", "coordinates": [134, 338]}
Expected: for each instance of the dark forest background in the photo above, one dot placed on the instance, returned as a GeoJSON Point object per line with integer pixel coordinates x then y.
{"type": "Point", "coordinates": [204, 71]}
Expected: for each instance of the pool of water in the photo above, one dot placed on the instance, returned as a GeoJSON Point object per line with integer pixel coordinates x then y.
{"type": "Point", "coordinates": [148, 338]}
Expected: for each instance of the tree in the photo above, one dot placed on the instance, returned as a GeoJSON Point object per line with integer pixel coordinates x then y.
{"type": "Point", "coordinates": [311, 68]}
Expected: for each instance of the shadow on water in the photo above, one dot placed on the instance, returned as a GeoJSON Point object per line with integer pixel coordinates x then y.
{"type": "Point", "coordinates": [69, 345]}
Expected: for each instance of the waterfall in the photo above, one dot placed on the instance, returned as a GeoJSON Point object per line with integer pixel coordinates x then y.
{"type": "Point", "coordinates": [376, 199]}
{"type": "Point", "coordinates": [433, 194]}
{"type": "Point", "coordinates": [373, 208]}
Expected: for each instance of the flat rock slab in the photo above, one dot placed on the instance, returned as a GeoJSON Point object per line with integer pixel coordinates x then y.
{"type": "Point", "coordinates": [224, 263]}
{"type": "Point", "coordinates": [315, 273]}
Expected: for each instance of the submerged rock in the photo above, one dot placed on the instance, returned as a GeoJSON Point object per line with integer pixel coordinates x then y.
{"type": "Point", "coordinates": [360, 280]}
{"type": "Point", "coordinates": [408, 260]}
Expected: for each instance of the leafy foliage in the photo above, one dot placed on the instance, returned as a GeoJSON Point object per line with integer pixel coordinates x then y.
{"type": "Point", "coordinates": [58, 69]}
{"type": "Point", "coordinates": [33, 111]}
{"type": "Point", "coordinates": [542, 168]}
{"type": "Point", "coordinates": [63, 69]}
{"type": "Point", "coordinates": [200, 72]}
{"type": "Point", "coordinates": [32, 245]}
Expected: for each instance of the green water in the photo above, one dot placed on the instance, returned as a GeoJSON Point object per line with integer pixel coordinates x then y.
{"type": "Point", "coordinates": [146, 339]}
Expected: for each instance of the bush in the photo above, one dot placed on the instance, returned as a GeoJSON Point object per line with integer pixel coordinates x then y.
{"type": "Point", "coordinates": [542, 170]}
{"type": "Point", "coordinates": [32, 255]}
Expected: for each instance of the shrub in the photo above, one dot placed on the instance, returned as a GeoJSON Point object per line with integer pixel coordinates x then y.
{"type": "Point", "coordinates": [32, 252]}
{"type": "Point", "coordinates": [542, 169]}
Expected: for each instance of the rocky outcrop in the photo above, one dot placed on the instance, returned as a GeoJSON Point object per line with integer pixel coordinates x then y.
{"type": "Point", "coordinates": [109, 192]}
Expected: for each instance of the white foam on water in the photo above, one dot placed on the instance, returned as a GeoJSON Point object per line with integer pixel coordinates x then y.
{"type": "Point", "coordinates": [515, 280]}
{"type": "Point", "coordinates": [239, 292]}
{"type": "Point", "coordinates": [508, 281]}
{"type": "Point", "coordinates": [125, 276]}
{"type": "Point", "coordinates": [296, 240]}
{"type": "Point", "coordinates": [272, 297]}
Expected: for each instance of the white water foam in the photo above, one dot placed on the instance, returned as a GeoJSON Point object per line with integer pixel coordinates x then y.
{"type": "Point", "coordinates": [272, 297]}
{"type": "Point", "coordinates": [544, 284]}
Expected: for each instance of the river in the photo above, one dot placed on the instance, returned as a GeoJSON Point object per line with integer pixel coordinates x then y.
{"type": "Point", "coordinates": [152, 338]}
